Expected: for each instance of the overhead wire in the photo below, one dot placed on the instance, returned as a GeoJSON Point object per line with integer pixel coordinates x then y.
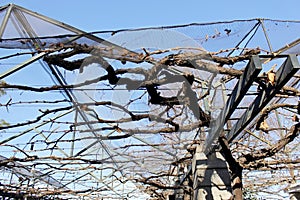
{"type": "Point", "coordinates": [141, 29]}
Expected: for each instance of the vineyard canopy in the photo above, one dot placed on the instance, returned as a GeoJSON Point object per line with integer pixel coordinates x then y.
{"type": "Point", "coordinates": [111, 114]}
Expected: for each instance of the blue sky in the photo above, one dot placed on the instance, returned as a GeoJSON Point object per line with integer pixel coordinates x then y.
{"type": "Point", "coordinates": [96, 15]}
{"type": "Point", "coordinates": [91, 15]}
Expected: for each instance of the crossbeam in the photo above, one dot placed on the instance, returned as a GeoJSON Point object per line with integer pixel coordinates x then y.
{"type": "Point", "coordinates": [25, 171]}
{"type": "Point", "coordinates": [251, 71]}
{"type": "Point", "coordinates": [241, 88]}
{"type": "Point", "coordinates": [22, 65]}
{"type": "Point", "coordinates": [283, 75]}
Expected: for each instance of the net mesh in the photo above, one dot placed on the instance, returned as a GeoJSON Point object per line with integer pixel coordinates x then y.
{"type": "Point", "coordinates": [112, 158]}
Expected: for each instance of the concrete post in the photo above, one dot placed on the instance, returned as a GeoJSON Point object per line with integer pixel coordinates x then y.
{"type": "Point", "coordinates": [211, 178]}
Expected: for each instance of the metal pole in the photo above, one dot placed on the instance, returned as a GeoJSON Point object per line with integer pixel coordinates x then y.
{"type": "Point", "coordinates": [266, 35]}
{"type": "Point", "coordinates": [5, 20]}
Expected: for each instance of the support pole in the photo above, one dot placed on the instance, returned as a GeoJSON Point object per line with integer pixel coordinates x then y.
{"type": "Point", "coordinates": [211, 178]}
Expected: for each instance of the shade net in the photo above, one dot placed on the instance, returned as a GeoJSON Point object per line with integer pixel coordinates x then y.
{"type": "Point", "coordinates": [83, 140]}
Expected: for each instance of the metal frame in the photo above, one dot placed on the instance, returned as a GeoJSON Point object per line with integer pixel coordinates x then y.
{"type": "Point", "coordinates": [283, 75]}
{"type": "Point", "coordinates": [241, 88]}
{"type": "Point", "coordinates": [18, 11]}
{"type": "Point", "coordinates": [5, 20]}
{"type": "Point", "coordinates": [253, 68]}
{"type": "Point", "coordinates": [26, 26]}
